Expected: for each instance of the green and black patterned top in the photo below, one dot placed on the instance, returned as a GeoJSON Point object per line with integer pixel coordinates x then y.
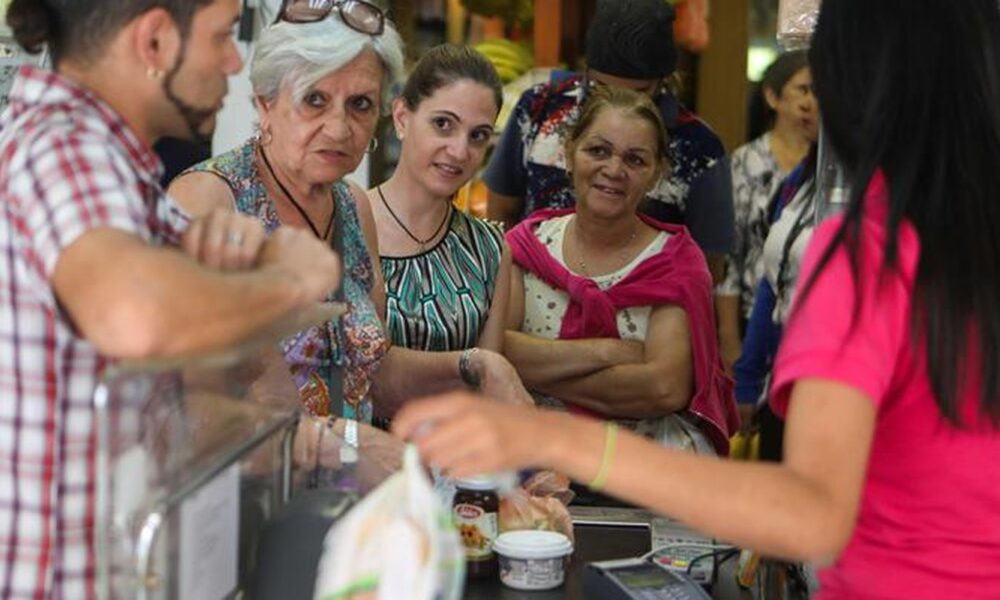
{"type": "Point", "coordinates": [439, 300]}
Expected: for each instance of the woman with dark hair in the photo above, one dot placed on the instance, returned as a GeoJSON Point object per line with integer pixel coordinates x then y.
{"type": "Point", "coordinates": [758, 168]}
{"type": "Point", "coordinates": [446, 273]}
{"type": "Point", "coordinates": [889, 371]}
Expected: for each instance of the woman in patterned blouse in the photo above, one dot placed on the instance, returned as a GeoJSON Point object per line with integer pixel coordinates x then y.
{"type": "Point", "coordinates": [446, 273]}
{"type": "Point", "coordinates": [758, 168]}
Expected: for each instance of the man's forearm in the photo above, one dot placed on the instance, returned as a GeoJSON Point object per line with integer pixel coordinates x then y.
{"type": "Point", "coordinates": [159, 303]}
{"type": "Point", "coordinates": [201, 309]}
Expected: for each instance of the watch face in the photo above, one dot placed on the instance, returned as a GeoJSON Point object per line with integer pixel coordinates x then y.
{"type": "Point", "coordinates": [643, 577]}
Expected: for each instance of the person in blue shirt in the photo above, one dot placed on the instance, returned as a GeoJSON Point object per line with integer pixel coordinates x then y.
{"type": "Point", "coordinates": [792, 211]}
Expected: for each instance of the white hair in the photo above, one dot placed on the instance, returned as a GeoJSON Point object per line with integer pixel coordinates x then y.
{"type": "Point", "coordinates": [299, 55]}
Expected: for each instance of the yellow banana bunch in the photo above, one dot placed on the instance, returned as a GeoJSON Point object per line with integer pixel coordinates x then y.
{"type": "Point", "coordinates": [511, 59]}
{"type": "Point", "coordinates": [518, 12]}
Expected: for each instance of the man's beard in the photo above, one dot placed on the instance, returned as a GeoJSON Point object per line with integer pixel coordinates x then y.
{"type": "Point", "coordinates": [193, 116]}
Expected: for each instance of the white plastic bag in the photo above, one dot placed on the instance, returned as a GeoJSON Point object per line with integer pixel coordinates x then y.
{"type": "Point", "coordinates": [399, 542]}
{"type": "Point", "coordinates": [796, 22]}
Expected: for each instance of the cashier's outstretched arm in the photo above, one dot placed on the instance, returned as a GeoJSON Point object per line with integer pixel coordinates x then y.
{"type": "Point", "coordinates": [802, 509]}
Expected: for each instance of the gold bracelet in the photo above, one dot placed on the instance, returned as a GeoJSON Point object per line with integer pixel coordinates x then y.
{"type": "Point", "coordinates": [610, 440]}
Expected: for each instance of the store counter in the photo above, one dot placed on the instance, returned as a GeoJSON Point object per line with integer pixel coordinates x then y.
{"type": "Point", "coordinates": [622, 535]}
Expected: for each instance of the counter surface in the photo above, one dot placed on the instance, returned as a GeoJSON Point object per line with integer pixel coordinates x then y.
{"type": "Point", "coordinates": [596, 543]}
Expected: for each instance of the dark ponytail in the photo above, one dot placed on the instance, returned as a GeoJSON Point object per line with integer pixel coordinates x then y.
{"type": "Point", "coordinates": [34, 24]}
{"type": "Point", "coordinates": [445, 64]}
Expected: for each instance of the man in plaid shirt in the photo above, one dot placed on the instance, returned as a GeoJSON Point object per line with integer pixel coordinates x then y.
{"type": "Point", "coordinates": [90, 268]}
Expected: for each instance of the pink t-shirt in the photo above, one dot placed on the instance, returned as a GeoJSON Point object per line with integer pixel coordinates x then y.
{"type": "Point", "coordinates": [929, 520]}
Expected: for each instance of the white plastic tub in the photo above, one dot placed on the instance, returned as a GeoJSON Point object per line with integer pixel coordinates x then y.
{"type": "Point", "coordinates": [532, 560]}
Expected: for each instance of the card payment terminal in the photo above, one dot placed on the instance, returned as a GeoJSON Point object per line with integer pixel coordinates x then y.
{"type": "Point", "coordinates": [638, 579]}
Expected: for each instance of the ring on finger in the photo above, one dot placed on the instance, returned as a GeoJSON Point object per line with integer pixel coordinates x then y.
{"type": "Point", "coordinates": [234, 238]}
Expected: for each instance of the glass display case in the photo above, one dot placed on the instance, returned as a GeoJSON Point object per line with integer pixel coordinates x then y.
{"type": "Point", "coordinates": [194, 457]}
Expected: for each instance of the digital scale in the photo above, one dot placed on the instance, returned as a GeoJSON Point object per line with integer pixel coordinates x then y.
{"type": "Point", "coordinates": [638, 579]}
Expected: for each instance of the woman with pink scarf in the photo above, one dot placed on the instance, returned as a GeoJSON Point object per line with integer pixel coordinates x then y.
{"type": "Point", "coordinates": [611, 311]}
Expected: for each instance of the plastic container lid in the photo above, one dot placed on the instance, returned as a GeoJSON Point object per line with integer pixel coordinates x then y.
{"type": "Point", "coordinates": [481, 483]}
{"type": "Point", "coordinates": [532, 544]}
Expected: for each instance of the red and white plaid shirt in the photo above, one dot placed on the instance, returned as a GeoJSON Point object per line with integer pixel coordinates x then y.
{"type": "Point", "coordinates": [68, 164]}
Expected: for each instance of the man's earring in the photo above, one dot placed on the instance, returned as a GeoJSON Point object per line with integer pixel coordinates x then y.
{"type": "Point", "coordinates": [154, 74]}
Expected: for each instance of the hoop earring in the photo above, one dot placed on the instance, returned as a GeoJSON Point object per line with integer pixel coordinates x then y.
{"type": "Point", "coordinates": [372, 145]}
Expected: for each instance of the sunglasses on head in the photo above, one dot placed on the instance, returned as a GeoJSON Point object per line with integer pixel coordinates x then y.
{"type": "Point", "coordinates": [360, 16]}
{"type": "Point", "coordinates": [658, 91]}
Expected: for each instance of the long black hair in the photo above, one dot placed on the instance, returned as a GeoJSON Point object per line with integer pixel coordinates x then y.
{"type": "Point", "coordinates": [913, 89]}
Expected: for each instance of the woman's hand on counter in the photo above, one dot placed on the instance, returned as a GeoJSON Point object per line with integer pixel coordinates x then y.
{"type": "Point", "coordinates": [319, 441]}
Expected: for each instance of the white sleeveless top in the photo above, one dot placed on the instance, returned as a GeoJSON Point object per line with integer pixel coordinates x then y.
{"type": "Point", "coordinates": [545, 306]}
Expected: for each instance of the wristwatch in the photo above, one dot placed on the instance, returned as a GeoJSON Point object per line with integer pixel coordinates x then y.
{"type": "Point", "coordinates": [470, 377]}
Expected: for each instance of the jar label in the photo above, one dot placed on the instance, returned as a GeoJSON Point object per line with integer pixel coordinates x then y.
{"type": "Point", "coordinates": [478, 529]}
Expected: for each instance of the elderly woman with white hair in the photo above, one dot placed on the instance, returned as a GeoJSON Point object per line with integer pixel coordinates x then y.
{"type": "Point", "coordinates": [321, 75]}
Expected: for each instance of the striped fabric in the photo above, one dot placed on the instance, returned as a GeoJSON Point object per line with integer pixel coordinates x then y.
{"type": "Point", "coordinates": [440, 300]}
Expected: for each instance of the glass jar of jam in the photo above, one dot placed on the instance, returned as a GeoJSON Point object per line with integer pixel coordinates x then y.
{"type": "Point", "coordinates": [475, 512]}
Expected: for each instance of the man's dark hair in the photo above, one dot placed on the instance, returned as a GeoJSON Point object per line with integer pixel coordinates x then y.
{"type": "Point", "coordinates": [81, 28]}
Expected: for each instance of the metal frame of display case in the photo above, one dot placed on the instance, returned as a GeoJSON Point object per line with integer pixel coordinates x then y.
{"type": "Point", "coordinates": [190, 422]}
{"type": "Point", "coordinates": [153, 522]}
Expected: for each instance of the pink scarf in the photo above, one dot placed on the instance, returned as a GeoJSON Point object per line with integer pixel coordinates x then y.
{"type": "Point", "coordinates": [677, 275]}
